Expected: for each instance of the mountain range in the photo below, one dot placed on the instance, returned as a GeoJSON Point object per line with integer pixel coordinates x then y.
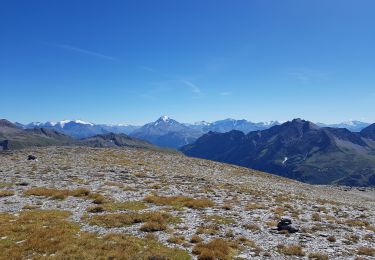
{"type": "Point", "coordinates": [167, 132]}
{"type": "Point", "coordinates": [297, 149]}
{"type": "Point", "coordinates": [354, 125]}
{"type": "Point", "coordinates": [80, 129]}
{"type": "Point", "coordinates": [12, 137]}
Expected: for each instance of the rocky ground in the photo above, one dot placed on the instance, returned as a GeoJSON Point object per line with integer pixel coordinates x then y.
{"type": "Point", "coordinates": [204, 209]}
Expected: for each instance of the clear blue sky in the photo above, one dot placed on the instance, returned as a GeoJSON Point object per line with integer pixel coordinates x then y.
{"type": "Point", "coordinates": [132, 61]}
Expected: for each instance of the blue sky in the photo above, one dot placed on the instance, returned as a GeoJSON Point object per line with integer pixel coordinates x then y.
{"type": "Point", "coordinates": [132, 61]}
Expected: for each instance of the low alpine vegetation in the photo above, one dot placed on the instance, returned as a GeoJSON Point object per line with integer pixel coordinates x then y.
{"type": "Point", "coordinates": [180, 201]}
{"type": "Point", "coordinates": [291, 250]}
{"type": "Point", "coordinates": [58, 194]}
{"type": "Point", "coordinates": [6, 193]}
{"type": "Point", "coordinates": [214, 249]}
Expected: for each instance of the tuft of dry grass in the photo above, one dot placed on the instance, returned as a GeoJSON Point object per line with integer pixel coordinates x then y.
{"type": "Point", "coordinates": [179, 201]}
{"type": "Point", "coordinates": [211, 229]}
{"type": "Point", "coordinates": [195, 239]}
{"type": "Point", "coordinates": [331, 239]}
{"type": "Point", "coordinates": [57, 194]}
{"type": "Point", "coordinates": [254, 206]}
{"type": "Point", "coordinates": [318, 256]}
{"type": "Point", "coordinates": [95, 209]}
{"type": "Point", "coordinates": [6, 193]}
{"type": "Point", "coordinates": [153, 221]}
{"type": "Point", "coordinates": [252, 227]}
{"type": "Point", "coordinates": [97, 198]}
{"type": "Point", "coordinates": [176, 239]}
{"type": "Point", "coordinates": [250, 243]}
{"type": "Point", "coordinates": [291, 250]}
{"type": "Point", "coordinates": [43, 234]}
{"type": "Point", "coordinates": [153, 226]}
{"type": "Point", "coordinates": [316, 217]}
{"type": "Point", "coordinates": [352, 239]}
{"type": "Point", "coordinates": [369, 251]}
{"type": "Point", "coordinates": [214, 249]}
{"type": "Point", "coordinates": [226, 206]}
{"type": "Point", "coordinates": [356, 223]}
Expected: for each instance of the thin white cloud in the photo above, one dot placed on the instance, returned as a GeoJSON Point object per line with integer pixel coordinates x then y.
{"type": "Point", "coordinates": [84, 51]}
{"type": "Point", "coordinates": [194, 88]}
{"type": "Point", "coordinates": [225, 93]}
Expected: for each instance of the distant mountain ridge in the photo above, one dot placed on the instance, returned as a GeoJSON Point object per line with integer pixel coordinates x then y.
{"type": "Point", "coordinates": [115, 140]}
{"type": "Point", "coordinates": [13, 137]}
{"type": "Point", "coordinates": [80, 129]}
{"type": "Point", "coordinates": [167, 132]}
{"type": "Point", "coordinates": [354, 125]}
{"type": "Point", "coordinates": [297, 149]}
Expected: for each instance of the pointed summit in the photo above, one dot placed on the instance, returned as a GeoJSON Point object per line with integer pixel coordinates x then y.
{"type": "Point", "coordinates": [164, 118]}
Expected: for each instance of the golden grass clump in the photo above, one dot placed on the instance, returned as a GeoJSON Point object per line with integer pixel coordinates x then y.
{"type": "Point", "coordinates": [211, 229]}
{"type": "Point", "coordinates": [214, 249]}
{"type": "Point", "coordinates": [318, 256]}
{"type": "Point", "coordinates": [176, 239]}
{"type": "Point", "coordinates": [316, 217]}
{"type": "Point", "coordinates": [369, 251]}
{"type": "Point", "coordinates": [250, 243]}
{"type": "Point", "coordinates": [254, 206]}
{"type": "Point", "coordinates": [291, 250]}
{"type": "Point", "coordinates": [6, 193]}
{"type": "Point", "coordinates": [357, 223]}
{"type": "Point", "coordinates": [42, 234]}
{"type": "Point", "coordinates": [252, 227]}
{"type": "Point", "coordinates": [195, 239]}
{"type": "Point", "coordinates": [331, 239]}
{"type": "Point", "coordinates": [180, 201]}
{"type": "Point", "coordinates": [57, 194]}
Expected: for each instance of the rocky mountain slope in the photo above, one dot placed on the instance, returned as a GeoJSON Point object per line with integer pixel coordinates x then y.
{"type": "Point", "coordinates": [243, 125]}
{"type": "Point", "coordinates": [298, 149]}
{"type": "Point", "coordinates": [12, 137]}
{"type": "Point", "coordinates": [369, 132]}
{"type": "Point", "coordinates": [86, 203]}
{"type": "Point", "coordinates": [114, 140]}
{"type": "Point", "coordinates": [167, 132]}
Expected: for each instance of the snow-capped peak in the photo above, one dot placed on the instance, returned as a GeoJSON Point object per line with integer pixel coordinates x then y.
{"type": "Point", "coordinates": [64, 122]}
{"type": "Point", "coordinates": [352, 122]}
{"type": "Point", "coordinates": [35, 123]}
{"type": "Point", "coordinates": [164, 118]}
{"type": "Point", "coordinates": [202, 123]}
{"type": "Point", "coordinates": [82, 122]}
{"type": "Point", "coordinates": [269, 123]}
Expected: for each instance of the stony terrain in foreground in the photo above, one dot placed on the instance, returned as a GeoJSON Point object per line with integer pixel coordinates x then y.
{"type": "Point", "coordinates": [86, 203]}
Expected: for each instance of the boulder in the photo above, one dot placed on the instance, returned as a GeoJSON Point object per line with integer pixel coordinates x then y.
{"type": "Point", "coordinates": [286, 224]}
{"type": "Point", "coordinates": [31, 157]}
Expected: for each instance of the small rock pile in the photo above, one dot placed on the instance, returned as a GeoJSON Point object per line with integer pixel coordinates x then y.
{"type": "Point", "coordinates": [286, 224]}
